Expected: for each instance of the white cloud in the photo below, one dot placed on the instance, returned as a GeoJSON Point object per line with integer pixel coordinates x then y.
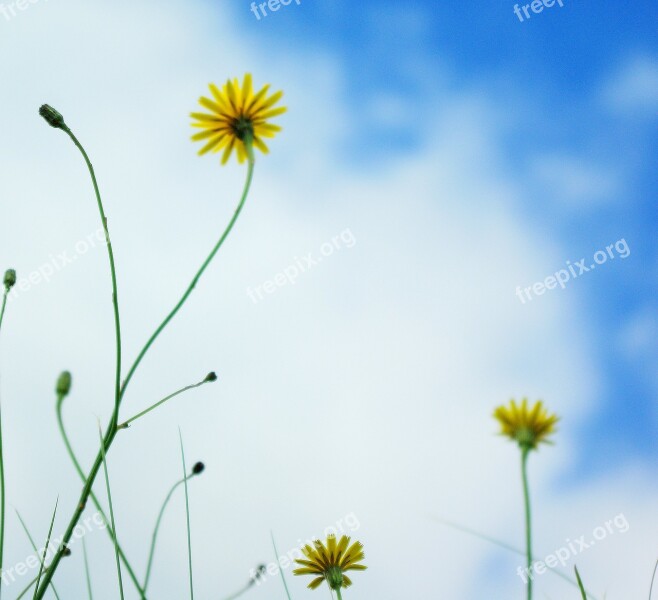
{"type": "Point", "coordinates": [633, 90]}
{"type": "Point", "coordinates": [365, 388]}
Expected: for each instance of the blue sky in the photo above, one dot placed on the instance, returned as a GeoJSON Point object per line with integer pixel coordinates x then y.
{"type": "Point", "coordinates": [468, 153]}
{"type": "Point", "coordinates": [559, 62]}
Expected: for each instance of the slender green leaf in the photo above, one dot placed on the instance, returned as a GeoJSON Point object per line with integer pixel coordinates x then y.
{"type": "Point", "coordinates": [45, 548]}
{"type": "Point", "coordinates": [109, 500]}
{"type": "Point", "coordinates": [87, 573]}
{"type": "Point", "coordinates": [276, 555]}
{"type": "Point", "coordinates": [580, 583]}
{"type": "Point", "coordinates": [187, 515]}
{"type": "Point", "coordinates": [34, 546]}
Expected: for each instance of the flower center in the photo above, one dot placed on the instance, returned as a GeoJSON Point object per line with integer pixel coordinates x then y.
{"type": "Point", "coordinates": [243, 128]}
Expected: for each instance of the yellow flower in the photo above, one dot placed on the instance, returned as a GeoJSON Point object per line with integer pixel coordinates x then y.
{"type": "Point", "coordinates": [238, 119]}
{"type": "Point", "coordinates": [329, 562]}
{"type": "Point", "coordinates": [529, 427]}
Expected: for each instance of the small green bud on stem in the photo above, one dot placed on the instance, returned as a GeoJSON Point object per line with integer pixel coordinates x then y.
{"type": "Point", "coordinates": [198, 468]}
{"type": "Point", "coordinates": [10, 279]}
{"type": "Point", "coordinates": [63, 384]}
{"type": "Point", "coordinates": [52, 117]}
{"type": "Point", "coordinates": [212, 376]}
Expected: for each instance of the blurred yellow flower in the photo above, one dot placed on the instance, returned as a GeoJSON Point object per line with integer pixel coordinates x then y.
{"type": "Point", "coordinates": [528, 427]}
{"type": "Point", "coordinates": [237, 119]}
{"type": "Point", "coordinates": [329, 562]}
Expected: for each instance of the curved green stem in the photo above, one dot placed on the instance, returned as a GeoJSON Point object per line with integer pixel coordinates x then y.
{"type": "Point", "coordinates": [2, 463]}
{"type": "Point", "coordinates": [204, 266]}
{"type": "Point", "coordinates": [112, 428]}
{"type": "Point", "coordinates": [127, 423]}
{"type": "Point", "coordinates": [110, 252]}
{"type": "Point", "coordinates": [154, 537]}
{"type": "Point", "coordinates": [528, 521]}
{"type": "Point", "coordinates": [109, 529]}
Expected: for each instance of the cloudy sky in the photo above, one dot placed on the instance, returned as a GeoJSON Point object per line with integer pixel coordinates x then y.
{"type": "Point", "coordinates": [455, 155]}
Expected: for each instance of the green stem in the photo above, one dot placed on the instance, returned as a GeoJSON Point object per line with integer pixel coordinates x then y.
{"type": "Point", "coordinates": [109, 499]}
{"type": "Point", "coordinates": [244, 590]}
{"type": "Point", "coordinates": [109, 529]}
{"type": "Point", "coordinates": [110, 252]}
{"type": "Point", "coordinates": [204, 266]}
{"type": "Point", "coordinates": [125, 424]}
{"type": "Point", "coordinates": [2, 463]}
{"type": "Point", "coordinates": [154, 537]}
{"type": "Point", "coordinates": [528, 521]}
{"type": "Point", "coordinates": [87, 573]}
{"type": "Point", "coordinates": [338, 594]}
{"type": "Point", "coordinates": [112, 429]}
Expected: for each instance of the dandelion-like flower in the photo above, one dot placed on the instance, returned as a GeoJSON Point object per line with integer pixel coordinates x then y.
{"type": "Point", "coordinates": [238, 119]}
{"type": "Point", "coordinates": [527, 426]}
{"type": "Point", "coordinates": [330, 561]}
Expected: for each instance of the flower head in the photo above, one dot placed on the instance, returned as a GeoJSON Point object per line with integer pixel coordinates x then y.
{"type": "Point", "coordinates": [528, 427]}
{"type": "Point", "coordinates": [52, 117]}
{"type": "Point", "coordinates": [330, 561]}
{"type": "Point", "coordinates": [237, 119]}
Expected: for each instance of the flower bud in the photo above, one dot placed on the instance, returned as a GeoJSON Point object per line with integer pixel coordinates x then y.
{"type": "Point", "coordinates": [52, 117]}
{"type": "Point", "coordinates": [66, 551]}
{"type": "Point", "coordinates": [198, 468]}
{"type": "Point", "coordinates": [63, 384]}
{"type": "Point", "coordinates": [10, 278]}
{"type": "Point", "coordinates": [212, 376]}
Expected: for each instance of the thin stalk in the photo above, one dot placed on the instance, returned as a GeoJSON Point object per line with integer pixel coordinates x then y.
{"type": "Point", "coordinates": [34, 546]}
{"type": "Point", "coordinates": [154, 537]}
{"type": "Point", "coordinates": [110, 253]}
{"type": "Point", "coordinates": [213, 252]}
{"type": "Point", "coordinates": [338, 594]}
{"type": "Point", "coordinates": [27, 589]}
{"type": "Point", "coordinates": [528, 520]}
{"type": "Point", "coordinates": [127, 423]}
{"type": "Point", "coordinates": [2, 463]}
{"type": "Point", "coordinates": [580, 584]}
{"type": "Point", "coordinates": [276, 555]}
{"type": "Point", "coordinates": [109, 499]}
{"type": "Point", "coordinates": [653, 578]}
{"type": "Point", "coordinates": [111, 431]}
{"type": "Point", "coordinates": [239, 593]}
{"type": "Point", "coordinates": [109, 529]}
{"type": "Point", "coordinates": [45, 548]}
{"type": "Point", "coordinates": [87, 573]}
{"type": "Point", "coordinates": [187, 515]}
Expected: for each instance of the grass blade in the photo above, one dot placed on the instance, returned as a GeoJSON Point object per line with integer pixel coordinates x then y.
{"type": "Point", "coordinates": [87, 575]}
{"type": "Point", "coordinates": [109, 499]}
{"type": "Point", "coordinates": [34, 546]}
{"type": "Point", "coordinates": [580, 583]}
{"type": "Point", "coordinates": [45, 548]}
{"type": "Point", "coordinates": [27, 589]}
{"type": "Point", "coordinates": [187, 515]}
{"type": "Point", "coordinates": [283, 577]}
{"type": "Point", "coordinates": [154, 537]}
